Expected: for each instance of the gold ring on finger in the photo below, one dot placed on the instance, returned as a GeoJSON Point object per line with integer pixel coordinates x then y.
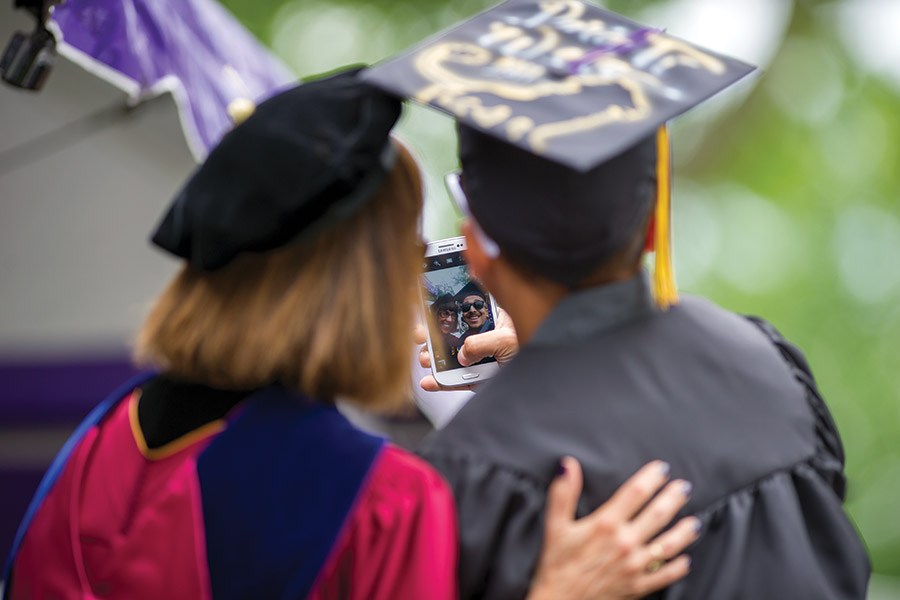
{"type": "Point", "coordinates": [658, 555]}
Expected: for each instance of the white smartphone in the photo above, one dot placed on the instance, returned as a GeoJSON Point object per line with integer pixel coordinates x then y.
{"type": "Point", "coordinates": [455, 308]}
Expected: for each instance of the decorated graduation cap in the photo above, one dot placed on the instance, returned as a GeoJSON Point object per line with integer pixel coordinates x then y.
{"type": "Point", "coordinates": [301, 161]}
{"type": "Point", "coordinates": [470, 289]}
{"type": "Point", "coordinates": [568, 83]}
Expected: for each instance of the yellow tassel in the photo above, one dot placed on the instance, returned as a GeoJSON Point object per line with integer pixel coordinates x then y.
{"type": "Point", "coordinates": [664, 288]}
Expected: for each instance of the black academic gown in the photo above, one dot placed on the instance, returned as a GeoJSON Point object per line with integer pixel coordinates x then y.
{"type": "Point", "coordinates": [616, 383]}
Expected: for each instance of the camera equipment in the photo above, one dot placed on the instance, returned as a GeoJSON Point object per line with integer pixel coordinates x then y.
{"type": "Point", "coordinates": [28, 57]}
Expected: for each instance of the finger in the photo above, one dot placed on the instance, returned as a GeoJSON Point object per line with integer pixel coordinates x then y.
{"type": "Point", "coordinates": [503, 320]}
{"type": "Point", "coordinates": [498, 342]}
{"type": "Point", "coordinates": [676, 539]}
{"type": "Point", "coordinates": [476, 347]}
{"type": "Point", "coordinates": [666, 546]}
{"type": "Point", "coordinates": [668, 574]}
{"type": "Point", "coordinates": [634, 493]}
{"type": "Point", "coordinates": [430, 384]}
{"type": "Point", "coordinates": [662, 509]}
{"type": "Point", "coordinates": [419, 334]}
{"type": "Point", "coordinates": [425, 358]}
{"type": "Point", "coordinates": [562, 496]}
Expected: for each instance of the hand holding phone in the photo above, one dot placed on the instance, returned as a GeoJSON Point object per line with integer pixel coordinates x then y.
{"type": "Point", "coordinates": [456, 308]}
{"type": "Point", "coordinates": [502, 343]}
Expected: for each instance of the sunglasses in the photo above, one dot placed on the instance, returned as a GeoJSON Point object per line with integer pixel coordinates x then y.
{"type": "Point", "coordinates": [465, 306]}
{"type": "Point", "coordinates": [446, 312]}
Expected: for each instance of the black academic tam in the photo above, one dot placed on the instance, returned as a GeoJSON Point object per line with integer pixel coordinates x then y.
{"type": "Point", "coordinates": [306, 158]}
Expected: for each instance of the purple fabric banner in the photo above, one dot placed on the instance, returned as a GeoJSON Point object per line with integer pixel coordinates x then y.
{"type": "Point", "coordinates": [18, 485]}
{"type": "Point", "coordinates": [60, 392]}
{"type": "Point", "coordinates": [35, 396]}
{"type": "Point", "coordinates": [194, 45]}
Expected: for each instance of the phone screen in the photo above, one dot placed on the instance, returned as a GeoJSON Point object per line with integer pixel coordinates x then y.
{"type": "Point", "coordinates": [455, 306]}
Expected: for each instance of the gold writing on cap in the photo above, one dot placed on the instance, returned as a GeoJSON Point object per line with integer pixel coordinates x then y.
{"type": "Point", "coordinates": [539, 53]}
{"type": "Point", "coordinates": [565, 79]}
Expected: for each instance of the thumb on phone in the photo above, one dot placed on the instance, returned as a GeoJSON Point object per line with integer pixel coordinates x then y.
{"type": "Point", "coordinates": [499, 343]}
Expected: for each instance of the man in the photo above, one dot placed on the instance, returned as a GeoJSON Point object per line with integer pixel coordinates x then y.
{"type": "Point", "coordinates": [563, 163]}
{"type": "Point", "coordinates": [474, 309]}
{"type": "Point", "coordinates": [607, 376]}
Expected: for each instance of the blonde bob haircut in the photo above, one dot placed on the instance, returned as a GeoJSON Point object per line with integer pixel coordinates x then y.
{"type": "Point", "coordinates": [328, 316]}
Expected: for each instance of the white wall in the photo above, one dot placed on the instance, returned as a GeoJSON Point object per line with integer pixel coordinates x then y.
{"type": "Point", "coordinates": [76, 210]}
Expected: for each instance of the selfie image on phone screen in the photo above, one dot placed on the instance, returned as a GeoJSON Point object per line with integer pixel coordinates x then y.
{"type": "Point", "coordinates": [456, 308]}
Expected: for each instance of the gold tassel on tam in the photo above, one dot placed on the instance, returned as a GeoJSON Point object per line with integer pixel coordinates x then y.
{"type": "Point", "coordinates": [664, 289]}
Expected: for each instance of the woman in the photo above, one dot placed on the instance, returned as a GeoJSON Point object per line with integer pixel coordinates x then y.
{"type": "Point", "coordinates": [227, 472]}
{"type": "Point", "coordinates": [445, 325]}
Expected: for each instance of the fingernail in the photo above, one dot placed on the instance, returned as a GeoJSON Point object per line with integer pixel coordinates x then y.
{"type": "Point", "coordinates": [690, 561]}
{"type": "Point", "coordinates": [560, 469]}
{"type": "Point", "coordinates": [698, 526]}
{"type": "Point", "coordinates": [686, 488]}
{"type": "Point", "coordinates": [665, 467]}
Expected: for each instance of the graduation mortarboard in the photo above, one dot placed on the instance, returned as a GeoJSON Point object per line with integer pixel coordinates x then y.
{"type": "Point", "coordinates": [562, 108]}
{"type": "Point", "coordinates": [443, 300]}
{"type": "Point", "coordinates": [470, 289]}
{"type": "Point", "coordinates": [563, 79]}
{"type": "Point", "coordinates": [305, 159]}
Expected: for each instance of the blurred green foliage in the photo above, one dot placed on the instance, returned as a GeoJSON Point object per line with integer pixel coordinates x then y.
{"type": "Point", "coordinates": [786, 203]}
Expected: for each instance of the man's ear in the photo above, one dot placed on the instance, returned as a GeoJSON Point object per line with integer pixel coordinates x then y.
{"type": "Point", "coordinates": [475, 256]}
